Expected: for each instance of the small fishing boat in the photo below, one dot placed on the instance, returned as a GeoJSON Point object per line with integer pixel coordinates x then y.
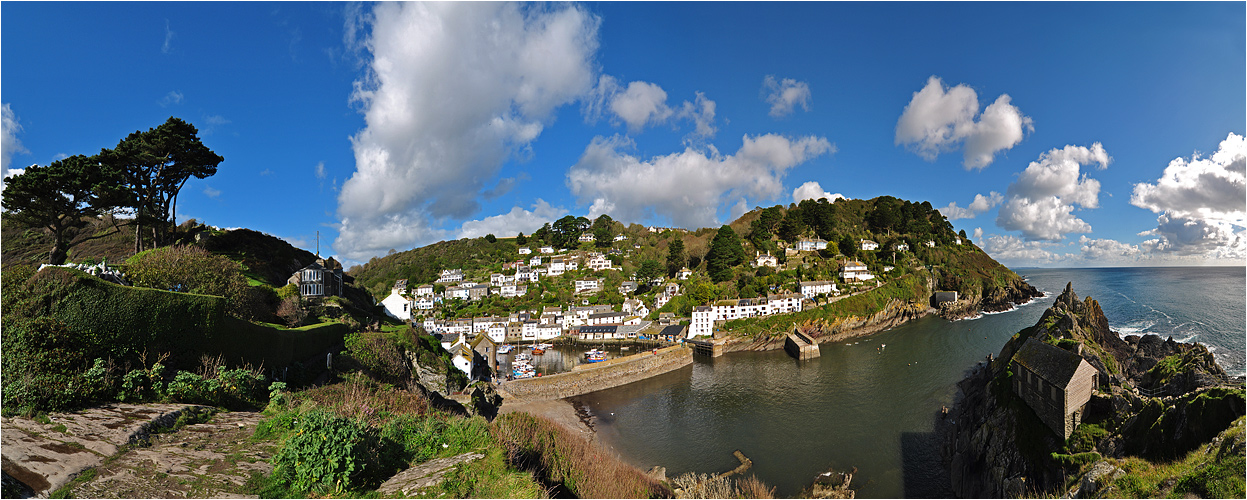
{"type": "Point", "coordinates": [594, 356]}
{"type": "Point", "coordinates": [538, 349]}
{"type": "Point", "coordinates": [505, 348]}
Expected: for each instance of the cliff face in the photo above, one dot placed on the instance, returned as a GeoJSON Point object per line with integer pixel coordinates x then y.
{"type": "Point", "coordinates": [996, 446]}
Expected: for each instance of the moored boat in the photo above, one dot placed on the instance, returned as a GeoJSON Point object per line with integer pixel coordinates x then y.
{"type": "Point", "coordinates": [594, 356]}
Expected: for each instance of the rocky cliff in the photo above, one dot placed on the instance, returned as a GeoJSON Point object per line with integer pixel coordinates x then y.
{"type": "Point", "coordinates": [990, 299]}
{"type": "Point", "coordinates": [996, 446]}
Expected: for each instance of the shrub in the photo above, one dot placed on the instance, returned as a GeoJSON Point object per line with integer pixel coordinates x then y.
{"type": "Point", "coordinates": [291, 311]}
{"type": "Point", "coordinates": [326, 453]}
{"type": "Point", "coordinates": [190, 269]}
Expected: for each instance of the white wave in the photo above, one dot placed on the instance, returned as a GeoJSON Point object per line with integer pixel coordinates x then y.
{"type": "Point", "coordinates": [1134, 328]}
{"type": "Point", "coordinates": [1188, 339]}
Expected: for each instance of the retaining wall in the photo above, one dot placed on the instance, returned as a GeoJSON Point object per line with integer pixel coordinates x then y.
{"type": "Point", "coordinates": [598, 376]}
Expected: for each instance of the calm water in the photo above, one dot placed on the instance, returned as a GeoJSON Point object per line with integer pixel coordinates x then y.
{"type": "Point", "coordinates": [871, 408]}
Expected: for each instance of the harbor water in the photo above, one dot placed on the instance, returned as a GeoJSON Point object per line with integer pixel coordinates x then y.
{"type": "Point", "coordinates": [871, 403]}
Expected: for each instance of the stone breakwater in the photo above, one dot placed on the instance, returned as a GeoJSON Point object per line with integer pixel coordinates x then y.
{"type": "Point", "coordinates": [599, 376]}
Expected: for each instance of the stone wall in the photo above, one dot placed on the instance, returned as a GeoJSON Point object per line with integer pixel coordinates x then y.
{"type": "Point", "coordinates": [598, 376]}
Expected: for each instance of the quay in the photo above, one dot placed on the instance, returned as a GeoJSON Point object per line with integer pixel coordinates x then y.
{"type": "Point", "coordinates": [608, 374]}
{"type": "Point", "coordinates": [801, 346]}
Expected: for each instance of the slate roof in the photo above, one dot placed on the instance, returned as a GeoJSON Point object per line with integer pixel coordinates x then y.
{"type": "Point", "coordinates": [1051, 363]}
{"type": "Point", "coordinates": [598, 329]}
{"type": "Point", "coordinates": [674, 330]}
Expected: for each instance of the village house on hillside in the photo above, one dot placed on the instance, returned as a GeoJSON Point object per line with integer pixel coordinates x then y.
{"type": "Point", "coordinates": [398, 305]}
{"type": "Point", "coordinates": [869, 245]}
{"type": "Point", "coordinates": [322, 278]}
{"type": "Point", "coordinates": [1055, 383]}
{"type": "Point", "coordinates": [805, 245]}
{"type": "Point", "coordinates": [854, 271]}
{"type": "Point", "coordinates": [767, 260]}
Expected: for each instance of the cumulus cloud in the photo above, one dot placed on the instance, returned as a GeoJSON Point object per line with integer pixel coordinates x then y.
{"type": "Point", "coordinates": [1041, 202]}
{"type": "Point", "coordinates": [978, 233]}
{"type": "Point", "coordinates": [979, 205]}
{"type": "Point", "coordinates": [1105, 249]}
{"type": "Point", "coordinates": [812, 190]}
{"type": "Point", "coordinates": [687, 187]}
{"type": "Point", "coordinates": [939, 119]}
{"type": "Point", "coordinates": [1202, 203]}
{"type": "Point", "coordinates": [9, 143]}
{"type": "Point", "coordinates": [784, 95]}
{"type": "Point", "coordinates": [1013, 249]}
{"type": "Point", "coordinates": [452, 90]}
{"type": "Point", "coordinates": [643, 104]}
{"type": "Point", "coordinates": [511, 223]}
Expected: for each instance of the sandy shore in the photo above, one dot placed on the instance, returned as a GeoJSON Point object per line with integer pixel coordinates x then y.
{"type": "Point", "coordinates": [560, 411]}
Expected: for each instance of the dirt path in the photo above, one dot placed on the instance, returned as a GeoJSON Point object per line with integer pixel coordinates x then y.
{"type": "Point", "coordinates": [207, 460]}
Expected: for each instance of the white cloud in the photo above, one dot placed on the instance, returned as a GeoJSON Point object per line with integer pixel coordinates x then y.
{"type": "Point", "coordinates": [939, 119]}
{"type": "Point", "coordinates": [173, 97]}
{"type": "Point", "coordinates": [1041, 202]}
{"type": "Point", "coordinates": [812, 190]}
{"type": "Point", "coordinates": [212, 193]}
{"type": "Point", "coordinates": [979, 205]}
{"type": "Point", "coordinates": [978, 233]}
{"type": "Point", "coordinates": [784, 95]}
{"type": "Point", "coordinates": [320, 171]}
{"type": "Point", "coordinates": [452, 91]}
{"type": "Point", "coordinates": [1013, 249]}
{"type": "Point", "coordinates": [687, 187]}
{"type": "Point", "coordinates": [9, 143]}
{"type": "Point", "coordinates": [511, 223]}
{"type": "Point", "coordinates": [643, 104]}
{"type": "Point", "coordinates": [266, 172]}
{"type": "Point", "coordinates": [167, 47]}
{"type": "Point", "coordinates": [701, 112]}
{"type": "Point", "coordinates": [1208, 188]}
{"type": "Point", "coordinates": [1105, 249]}
{"type": "Point", "coordinates": [1201, 203]}
{"type": "Point", "coordinates": [640, 104]}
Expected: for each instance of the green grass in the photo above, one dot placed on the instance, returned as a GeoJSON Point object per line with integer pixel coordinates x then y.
{"type": "Point", "coordinates": [1207, 472]}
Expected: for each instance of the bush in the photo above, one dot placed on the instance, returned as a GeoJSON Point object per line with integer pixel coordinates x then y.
{"type": "Point", "coordinates": [190, 269]}
{"type": "Point", "coordinates": [326, 453]}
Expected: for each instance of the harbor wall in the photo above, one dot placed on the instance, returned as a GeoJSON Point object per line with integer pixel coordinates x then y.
{"type": "Point", "coordinates": [587, 378]}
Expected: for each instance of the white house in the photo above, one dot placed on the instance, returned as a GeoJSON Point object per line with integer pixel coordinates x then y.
{"type": "Point", "coordinates": [887, 269]}
{"type": "Point", "coordinates": [811, 289]}
{"type": "Point", "coordinates": [930, 243]}
{"type": "Point", "coordinates": [461, 355]}
{"type": "Point", "coordinates": [458, 292]}
{"type": "Point", "coordinates": [627, 287]}
{"type": "Point", "coordinates": [606, 318]}
{"type": "Point", "coordinates": [957, 241]}
{"type": "Point", "coordinates": [684, 274]}
{"type": "Point", "coordinates": [525, 274]}
{"type": "Point", "coordinates": [598, 262]}
{"type": "Point", "coordinates": [397, 306]}
{"type": "Point", "coordinates": [588, 286]}
{"type": "Point", "coordinates": [901, 247]}
{"type": "Point", "coordinates": [557, 266]}
{"type": "Point", "coordinates": [571, 263]}
{"type": "Point", "coordinates": [620, 237]}
{"type": "Point", "coordinates": [451, 276]}
{"type": "Point", "coordinates": [702, 323]}
{"type": "Point", "coordinates": [546, 249]}
{"type": "Point", "coordinates": [855, 271]}
{"type": "Point", "coordinates": [535, 261]}
{"type": "Point", "coordinates": [869, 245]}
{"type": "Point", "coordinates": [547, 332]}
{"type": "Point", "coordinates": [635, 306]}
{"type": "Point", "coordinates": [767, 260]}
{"type": "Point", "coordinates": [587, 237]}
{"type": "Point", "coordinates": [424, 303]}
{"type": "Point", "coordinates": [525, 251]}
{"type": "Point", "coordinates": [811, 245]}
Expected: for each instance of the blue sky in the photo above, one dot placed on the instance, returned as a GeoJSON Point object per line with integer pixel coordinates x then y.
{"type": "Point", "coordinates": [1066, 134]}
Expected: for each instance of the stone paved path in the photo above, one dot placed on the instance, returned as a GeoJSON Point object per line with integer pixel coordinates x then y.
{"type": "Point", "coordinates": [129, 460]}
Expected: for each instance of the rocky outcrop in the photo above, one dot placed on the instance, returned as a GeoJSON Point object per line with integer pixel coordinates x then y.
{"type": "Point", "coordinates": [996, 446]}
{"type": "Point", "coordinates": [993, 299]}
{"type": "Point", "coordinates": [415, 480]}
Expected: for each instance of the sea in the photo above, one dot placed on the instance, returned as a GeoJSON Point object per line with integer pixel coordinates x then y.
{"type": "Point", "coordinates": [870, 403]}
